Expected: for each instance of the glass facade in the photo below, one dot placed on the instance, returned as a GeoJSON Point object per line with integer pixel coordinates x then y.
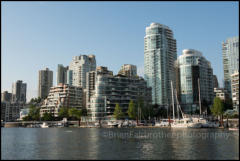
{"type": "Point", "coordinates": [112, 89]}
{"type": "Point", "coordinates": [62, 74]}
{"type": "Point", "coordinates": [69, 77]}
{"type": "Point", "coordinates": [193, 67]}
{"type": "Point", "coordinates": [159, 56]}
{"type": "Point", "coordinates": [230, 52]}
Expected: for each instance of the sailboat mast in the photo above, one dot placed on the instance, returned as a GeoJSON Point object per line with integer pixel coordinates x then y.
{"type": "Point", "coordinates": [173, 101]}
{"type": "Point", "coordinates": [200, 108]}
{"type": "Point", "coordinates": [177, 104]}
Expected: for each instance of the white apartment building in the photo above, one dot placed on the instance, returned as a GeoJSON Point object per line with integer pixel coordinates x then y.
{"type": "Point", "coordinates": [230, 53]}
{"type": "Point", "coordinates": [62, 95]}
{"type": "Point", "coordinates": [112, 89]}
{"type": "Point", "coordinates": [78, 68]}
{"type": "Point", "coordinates": [128, 70]}
{"type": "Point", "coordinates": [235, 89]}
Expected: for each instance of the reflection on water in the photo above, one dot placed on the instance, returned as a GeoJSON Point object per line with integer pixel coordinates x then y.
{"type": "Point", "coordinates": [94, 143]}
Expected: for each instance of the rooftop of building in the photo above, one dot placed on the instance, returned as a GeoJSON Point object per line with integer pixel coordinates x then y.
{"type": "Point", "coordinates": [154, 24]}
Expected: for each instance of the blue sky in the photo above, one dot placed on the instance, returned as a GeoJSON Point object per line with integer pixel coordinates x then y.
{"type": "Point", "coordinates": [36, 35]}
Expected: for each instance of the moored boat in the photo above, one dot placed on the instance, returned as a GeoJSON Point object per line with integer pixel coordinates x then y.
{"type": "Point", "coordinates": [112, 124]}
{"type": "Point", "coordinates": [233, 129]}
{"type": "Point", "coordinates": [44, 125]}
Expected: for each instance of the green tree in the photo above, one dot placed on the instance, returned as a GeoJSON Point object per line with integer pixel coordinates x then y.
{"type": "Point", "coordinates": [132, 111]}
{"type": "Point", "coordinates": [150, 111]}
{"type": "Point", "coordinates": [75, 114]}
{"type": "Point", "coordinates": [63, 113]}
{"type": "Point", "coordinates": [84, 112]}
{"type": "Point", "coordinates": [141, 108]}
{"type": "Point", "coordinates": [34, 113]}
{"type": "Point", "coordinates": [162, 112]}
{"type": "Point", "coordinates": [159, 111]}
{"type": "Point", "coordinates": [36, 100]}
{"type": "Point", "coordinates": [27, 118]}
{"type": "Point", "coordinates": [217, 108]}
{"type": "Point", "coordinates": [47, 117]}
{"type": "Point", "coordinates": [118, 114]}
{"type": "Point", "coordinates": [228, 104]}
{"type": "Point", "coordinates": [155, 108]}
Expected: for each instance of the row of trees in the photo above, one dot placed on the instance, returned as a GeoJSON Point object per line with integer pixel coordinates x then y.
{"type": "Point", "coordinates": [133, 112]}
{"type": "Point", "coordinates": [217, 109]}
{"type": "Point", "coordinates": [69, 113]}
{"type": "Point", "coordinates": [138, 109]}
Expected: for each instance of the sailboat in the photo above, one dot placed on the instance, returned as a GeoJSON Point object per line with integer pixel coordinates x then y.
{"type": "Point", "coordinates": [200, 120]}
{"type": "Point", "coordinates": [184, 122]}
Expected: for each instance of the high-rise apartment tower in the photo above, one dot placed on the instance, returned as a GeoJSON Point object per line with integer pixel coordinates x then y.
{"type": "Point", "coordinates": [159, 56]}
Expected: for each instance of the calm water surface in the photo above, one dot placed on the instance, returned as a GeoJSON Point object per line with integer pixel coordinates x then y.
{"type": "Point", "coordinates": [96, 143]}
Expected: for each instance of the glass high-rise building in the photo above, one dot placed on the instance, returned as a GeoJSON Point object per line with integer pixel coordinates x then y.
{"type": "Point", "coordinates": [45, 82]}
{"type": "Point", "coordinates": [194, 72]}
{"type": "Point", "coordinates": [230, 53]}
{"type": "Point", "coordinates": [159, 56]}
{"type": "Point", "coordinates": [62, 74]}
{"type": "Point", "coordinates": [69, 77]}
{"type": "Point", "coordinates": [19, 91]}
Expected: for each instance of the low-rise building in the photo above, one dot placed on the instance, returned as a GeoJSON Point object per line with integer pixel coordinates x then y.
{"type": "Point", "coordinates": [112, 89]}
{"type": "Point", "coordinates": [10, 111]}
{"type": "Point", "coordinates": [62, 95]}
{"type": "Point", "coordinates": [221, 93]}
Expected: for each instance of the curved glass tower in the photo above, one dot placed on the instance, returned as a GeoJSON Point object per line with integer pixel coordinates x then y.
{"type": "Point", "coordinates": [159, 56]}
{"type": "Point", "coordinates": [193, 67]}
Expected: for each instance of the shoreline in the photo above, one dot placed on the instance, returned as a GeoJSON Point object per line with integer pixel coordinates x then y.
{"type": "Point", "coordinates": [137, 127]}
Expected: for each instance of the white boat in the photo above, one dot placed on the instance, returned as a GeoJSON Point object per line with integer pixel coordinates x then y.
{"type": "Point", "coordinates": [60, 124]}
{"type": "Point", "coordinates": [162, 123]}
{"type": "Point", "coordinates": [120, 125]}
{"type": "Point", "coordinates": [205, 123]}
{"type": "Point", "coordinates": [112, 124]}
{"type": "Point", "coordinates": [179, 124]}
{"type": "Point", "coordinates": [233, 129]}
{"type": "Point", "coordinates": [96, 124]}
{"type": "Point", "coordinates": [185, 123]}
{"type": "Point", "coordinates": [44, 125]}
{"type": "Point", "coordinates": [158, 124]}
{"type": "Point", "coordinates": [131, 124]}
{"type": "Point", "coordinates": [125, 123]}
